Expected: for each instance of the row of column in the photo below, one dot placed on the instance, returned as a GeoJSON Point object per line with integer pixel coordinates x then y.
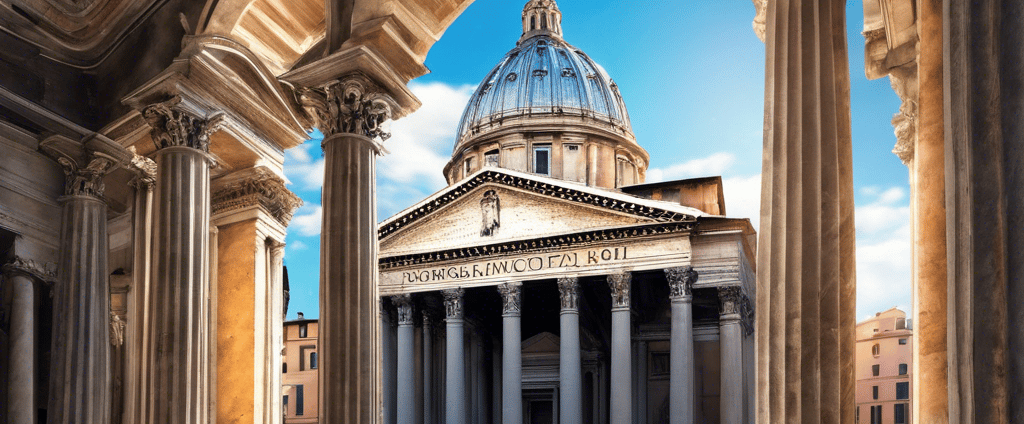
{"type": "Point", "coordinates": [682, 384]}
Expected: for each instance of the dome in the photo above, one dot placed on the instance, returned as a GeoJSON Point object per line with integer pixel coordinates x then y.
{"type": "Point", "coordinates": [543, 75]}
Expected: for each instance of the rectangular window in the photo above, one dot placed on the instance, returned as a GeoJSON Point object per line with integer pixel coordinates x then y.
{"type": "Point", "coordinates": [298, 399]}
{"type": "Point", "coordinates": [542, 159]}
{"type": "Point", "coordinates": [902, 390]}
{"type": "Point", "coordinates": [903, 369]}
{"type": "Point", "coordinates": [899, 412]}
{"type": "Point", "coordinates": [307, 358]}
{"type": "Point", "coordinates": [303, 331]}
{"type": "Point", "coordinates": [284, 368]}
{"type": "Point", "coordinates": [491, 158]}
{"type": "Point", "coordinates": [876, 414]}
{"type": "Point", "coordinates": [874, 370]}
{"type": "Point", "coordinates": [286, 404]}
{"type": "Point", "coordinates": [312, 360]}
{"type": "Point", "coordinates": [874, 392]}
{"type": "Point", "coordinates": [903, 341]}
{"type": "Point", "coordinates": [856, 415]}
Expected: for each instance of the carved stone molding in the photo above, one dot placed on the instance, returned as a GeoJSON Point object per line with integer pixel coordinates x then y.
{"type": "Point", "coordinates": [510, 298]}
{"type": "Point", "coordinates": [568, 292]}
{"type": "Point", "coordinates": [40, 271]}
{"type": "Point", "coordinates": [144, 169]}
{"type": "Point", "coordinates": [760, 18]}
{"type": "Point", "coordinates": [117, 326]}
{"type": "Point", "coordinates": [403, 304]}
{"type": "Point", "coordinates": [730, 297]}
{"type": "Point", "coordinates": [904, 122]}
{"type": "Point", "coordinates": [680, 281]}
{"type": "Point", "coordinates": [174, 127]}
{"type": "Point", "coordinates": [352, 104]}
{"type": "Point", "coordinates": [84, 177]}
{"type": "Point", "coordinates": [620, 285]}
{"type": "Point", "coordinates": [453, 302]}
{"type": "Point", "coordinates": [261, 188]}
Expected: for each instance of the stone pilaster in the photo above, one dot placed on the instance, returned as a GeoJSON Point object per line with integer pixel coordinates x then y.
{"type": "Point", "coordinates": [621, 366]}
{"type": "Point", "coordinates": [731, 341]}
{"type": "Point", "coordinates": [406, 412]}
{"type": "Point", "coordinates": [806, 247]}
{"type": "Point", "coordinates": [455, 372]}
{"type": "Point", "coordinates": [22, 276]}
{"type": "Point", "coordinates": [176, 343]}
{"type": "Point", "coordinates": [682, 386]}
{"type": "Point", "coordinates": [511, 357]}
{"type": "Point", "coordinates": [570, 367]}
{"type": "Point", "coordinates": [80, 389]}
{"type": "Point", "coordinates": [350, 112]}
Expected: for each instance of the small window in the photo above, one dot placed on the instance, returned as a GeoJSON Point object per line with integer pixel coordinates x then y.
{"type": "Point", "coordinates": [876, 350]}
{"type": "Point", "coordinates": [874, 392]}
{"type": "Point", "coordinates": [284, 368]}
{"type": "Point", "coordinates": [902, 391]}
{"type": "Point", "coordinates": [874, 370]}
{"type": "Point", "coordinates": [856, 415]}
{"type": "Point", "coordinates": [903, 341]}
{"type": "Point", "coordinates": [542, 159]}
{"type": "Point", "coordinates": [899, 412]}
{"type": "Point", "coordinates": [876, 414]}
{"type": "Point", "coordinates": [533, 23]}
{"type": "Point", "coordinates": [469, 166]}
{"type": "Point", "coordinates": [312, 360]}
{"type": "Point", "coordinates": [285, 403]}
{"type": "Point", "coordinates": [302, 331]}
{"type": "Point", "coordinates": [544, 21]}
{"type": "Point", "coordinates": [298, 400]}
{"type": "Point", "coordinates": [903, 369]}
{"type": "Point", "coordinates": [491, 158]}
{"type": "Point", "coordinates": [901, 323]}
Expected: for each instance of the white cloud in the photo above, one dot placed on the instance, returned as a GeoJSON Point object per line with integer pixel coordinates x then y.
{"type": "Point", "coordinates": [715, 164]}
{"type": "Point", "coordinates": [883, 251]}
{"type": "Point", "coordinates": [304, 165]}
{"type": "Point", "coordinates": [743, 198]}
{"type": "Point", "coordinates": [307, 220]}
{"type": "Point", "coordinates": [297, 246]}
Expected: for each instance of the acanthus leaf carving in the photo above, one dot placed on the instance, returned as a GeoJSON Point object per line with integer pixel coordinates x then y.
{"type": "Point", "coordinates": [568, 292]}
{"type": "Point", "coordinates": [144, 168]}
{"type": "Point", "coordinates": [730, 297]}
{"type": "Point", "coordinates": [174, 127]}
{"type": "Point", "coordinates": [453, 302]}
{"type": "Point", "coordinates": [680, 281]}
{"type": "Point", "coordinates": [510, 298]}
{"type": "Point", "coordinates": [620, 286]}
{"type": "Point", "coordinates": [46, 272]}
{"type": "Point", "coordinates": [262, 188]}
{"type": "Point", "coordinates": [403, 304]}
{"type": "Point", "coordinates": [353, 104]}
{"type": "Point", "coordinates": [85, 180]}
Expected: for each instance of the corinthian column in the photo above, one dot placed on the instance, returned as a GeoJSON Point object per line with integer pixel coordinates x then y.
{"type": "Point", "coordinates": [80, 353]}
{"type": "Point", "coordinates": [406, 360]}
{"type": "Point", "coordinates": [511, 354]}
{"type": "Point", "coordinates": [731, 342]}
{"type": "Point", "coordinates": [681, 380]}
{"type": "Point", "coordinates": [621, 375]}
{"type": "Point", "coordinates": [570, 373]}
{"type": "Point", "coordinates": [22, 275]}
{"type": "Point", "coordinates": [175, 339]}
{"type": "Point", "coordinates": [805, 261]}
{"type": "Point", "coordinates": [349, 112]}
{"type": "Point", "coordinates": [455, 372]}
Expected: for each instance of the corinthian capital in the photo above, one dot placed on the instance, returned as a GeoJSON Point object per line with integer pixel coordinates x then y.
{"type": "Point", "coordinates": [84, 176]}
{"type": "Point", "coordinates": [620, 284]}
{"type": "Point", "coordinates": [258, 187]}
{"type": "Point", "coordinates": [680, 281]}
{"type": "Point", "coordinates": [568, 292]}
{"type": "Point", "coordinates": [144, 168]}
{"type": "Point", "coordinates": [352, 104]}
{"type": "Point", "coordinates": [730, 297]}
{"type": "Point", "coordinates": [31, 268]}
{"type": "Point", "coordinates": [175, 127]}
{"type": "Point", "coordinates": [510, 295]}
{"type": "Point", "coordinates": [453, 302]}
{"type": "Point", "coordinates": [403, 303]}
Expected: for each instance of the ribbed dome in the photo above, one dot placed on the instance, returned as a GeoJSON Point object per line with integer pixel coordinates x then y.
{"type": "Point", "coordinates": [544, 75]}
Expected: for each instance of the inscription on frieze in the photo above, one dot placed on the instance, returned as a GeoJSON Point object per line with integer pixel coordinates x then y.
{"type": "Point", "coordinates": [514, 266]}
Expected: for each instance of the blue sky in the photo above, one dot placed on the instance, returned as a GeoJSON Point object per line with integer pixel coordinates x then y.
{"type": "Point", "coordinates": [692, 76]}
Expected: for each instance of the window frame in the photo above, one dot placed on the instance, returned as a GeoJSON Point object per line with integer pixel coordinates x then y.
{"type": "Point", "coordinates": [546, 148]}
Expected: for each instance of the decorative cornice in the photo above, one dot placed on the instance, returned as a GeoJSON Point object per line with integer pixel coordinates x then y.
{"type": "Point", "coordinates": [43, 272]}
{"type": "Point", "coordinates": [352, 104]}
{"type": "Point", "coordinates": [680, 281]}
{"type": "Point", "coordinates": [568, 293]}
{"type": "Point", "coordinates": [542, 188]}
{"type": "Point", "coordinates": [760, 18]}
{"type": "Point", "coordinates": [453, 303]}
{"type": "Point", "coordinates": [261, 188]}
{"type": "Point", "coordinates": [175, 127]}
{"type": "Point", "coordinates": [620, 286]}
{"type": "Point", "coordinates": [510, 298]}
{"type": "Point", "coordinates": [581, 239]}
{"type": "Point", "coordinates": [403, 303]}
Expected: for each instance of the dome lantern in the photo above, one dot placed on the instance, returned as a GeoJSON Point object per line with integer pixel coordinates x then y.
{"type": "Point", "coordinates": [541, 17]}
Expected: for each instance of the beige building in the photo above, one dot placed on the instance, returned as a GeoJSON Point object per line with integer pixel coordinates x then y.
{"type": "Point", "coordinates": [884, 368]}
{"type": "Point", "coordinates": [300, 371]}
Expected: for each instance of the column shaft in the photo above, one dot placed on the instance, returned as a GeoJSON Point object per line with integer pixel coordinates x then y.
{"type": "Point", "coordinates": [455, 372]}
{"type": "Point", "coordinates": [621, 365]}
{"type": "Point", "coordinates": [176, 342]}
{"type": "Point", "coordinates": [570, 374]}
{"type": "Point", "coordinates": [349, 324]}
{"type": "Point", "coordinates": [806, 249]}
{"type": "Point", "coordinates": [389, 365]}
{"type": "Point", "coordinates": [682, 387]}
{"type": "Point", "coordinates": [511, 357]}
{"type": "Point", "coordinates": [731, 342]}
{"type": "Point", "coordinates": [406, 413]}
{"type": "Point", "coordinates": [428, 369]}
{"type": "Point", "coordinates": [21, 366]}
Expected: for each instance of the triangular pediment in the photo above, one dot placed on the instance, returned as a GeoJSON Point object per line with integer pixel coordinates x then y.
{"type": "Point", "coordinates": [497, 206]}
{"type": "Point", "coordinates": [542, 343]}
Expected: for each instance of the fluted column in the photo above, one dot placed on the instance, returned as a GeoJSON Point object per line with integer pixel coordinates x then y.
{"type": "Point", "coordinates": [406, 357]}
{"type": "Point", "coordinates": [511, 354]}
{"type": "Point", "coordinates": [80, 387]}
{"type": "Point", "coordinates": [570, 373]}
{"type": "Point", "coordinates": [806, 247]}
{"type": "Point", "coordinates": [731, 342]}
{"type": "Point", "coordinates": [389, 363]}
{"type": "Point", "coordinates": [22, 276]}
{"type": "Point", "coordinates": [455, 373]}
{"type": "Point", "coordinates": [621, 373]}
{"type": "Point", "coordinates": [428, 368]}
{"type": "Point", "coordinates": [176, 337]}
{"type": "Point", "coordinates": [682, 398]}
{"type": "Point", "coordinates": [349, 112]}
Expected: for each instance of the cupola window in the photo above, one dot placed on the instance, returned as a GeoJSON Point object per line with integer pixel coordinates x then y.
{"type": "Point", "coordinates": [542, 159]}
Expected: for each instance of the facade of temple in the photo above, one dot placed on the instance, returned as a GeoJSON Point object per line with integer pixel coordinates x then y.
{"type": "Point", "coordinates": [545, 283]}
